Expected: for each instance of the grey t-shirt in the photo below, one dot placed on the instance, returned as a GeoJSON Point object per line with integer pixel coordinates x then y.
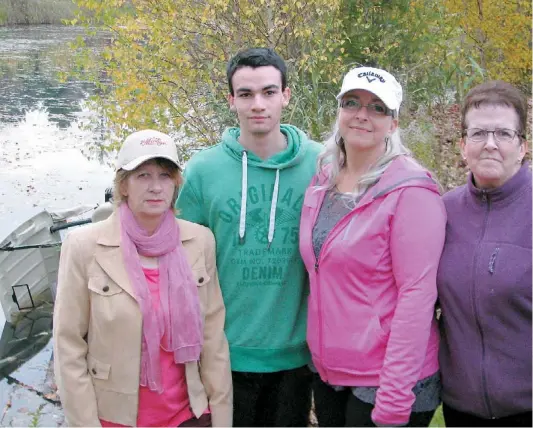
{"type": "Point", "coordinates": [335, 206]}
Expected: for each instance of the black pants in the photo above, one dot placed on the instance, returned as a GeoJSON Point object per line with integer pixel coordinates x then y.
{"type": "Point", "coordinates": [203, 421]}
{"type": "Point", "coordinates": [280, 399]}
{"type": "Point", "coordinates": [343, 409]}
{"type": "Point", "coordinates": [455, 418]}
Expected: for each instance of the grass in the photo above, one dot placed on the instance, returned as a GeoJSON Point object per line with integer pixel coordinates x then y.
{"type": "Point", "coordinates": [36, 416]}
{"type": "Point", "coordinates": [438, 418]}
{"type": "Point", "coordinates": [32, 12]}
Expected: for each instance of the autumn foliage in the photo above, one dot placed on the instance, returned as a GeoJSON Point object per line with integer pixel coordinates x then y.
{"type": "Point", "coordinates": [165, 63]}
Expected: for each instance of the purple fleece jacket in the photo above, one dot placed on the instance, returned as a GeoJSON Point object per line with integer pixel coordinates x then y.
{"type": "Point", "coordinates": [484, 284]}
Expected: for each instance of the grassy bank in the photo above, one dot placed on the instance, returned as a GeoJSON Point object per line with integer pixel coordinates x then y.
{"type": "Point", "coordinates": [438, 419]}
{"type": "Point", "coordinates": [28, 12]}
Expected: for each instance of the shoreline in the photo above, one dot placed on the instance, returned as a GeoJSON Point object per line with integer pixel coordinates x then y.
{"type": "Point", "coordinates": [36, 12]}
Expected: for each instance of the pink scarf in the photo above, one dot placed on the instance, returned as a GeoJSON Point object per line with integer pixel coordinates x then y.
{"type": "Point", "coordinates": [177, 327]}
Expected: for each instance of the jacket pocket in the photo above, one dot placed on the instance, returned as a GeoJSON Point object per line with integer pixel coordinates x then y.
{"type": "Point", "coordinates": [359, 349]}
{"type": "Point", "coordinates": [200, 276]}
{"type": "Point", "coordinates": [108, 303]}
{"type": "Point", "coordinates": [103, 286]}
{"type": "Point", "coordinates": [97, 369]}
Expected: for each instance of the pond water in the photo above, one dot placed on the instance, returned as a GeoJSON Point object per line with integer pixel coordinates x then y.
{"type": "Point", "coordinates": [46, 162]}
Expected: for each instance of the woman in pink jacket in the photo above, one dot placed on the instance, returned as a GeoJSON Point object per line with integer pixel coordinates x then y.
{"type": "Point", "coordinates": [371, 236]}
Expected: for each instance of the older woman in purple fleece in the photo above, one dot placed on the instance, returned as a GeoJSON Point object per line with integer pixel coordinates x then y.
{"type": "Point", "coordinates": [484, 278]}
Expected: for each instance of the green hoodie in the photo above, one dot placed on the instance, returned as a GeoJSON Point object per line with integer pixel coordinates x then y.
{"type": "Point", "coordinates": [262, 277]}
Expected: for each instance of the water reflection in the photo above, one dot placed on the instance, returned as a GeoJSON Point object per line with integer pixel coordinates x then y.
{"type": "Point", "coordinates": [23, 339]}
{"type": "Point", "coordinates": [43, 134]}
{"type": "Point", "coordinates": [27, 389]}
{"type": "Point", "coordinates": [30, 59]}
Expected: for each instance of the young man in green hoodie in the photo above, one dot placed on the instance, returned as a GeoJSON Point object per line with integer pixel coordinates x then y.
{"type": "Point", "coordinates": [249, 190]}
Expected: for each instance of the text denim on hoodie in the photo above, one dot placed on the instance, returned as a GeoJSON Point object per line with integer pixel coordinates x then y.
{"type": "Point", "coordinates": [484, 284]}
{"type": "Point", "coordinates": [262, 276]}
{"type": "Point", "coordinates": [373, 288]}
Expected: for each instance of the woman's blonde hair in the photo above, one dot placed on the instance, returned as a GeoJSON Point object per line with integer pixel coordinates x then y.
{"type": "Point", "coordinates": [122, 175]}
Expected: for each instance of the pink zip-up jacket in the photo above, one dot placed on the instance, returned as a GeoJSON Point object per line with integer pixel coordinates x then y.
{"type": "Point", "coordinates": [371, 309]}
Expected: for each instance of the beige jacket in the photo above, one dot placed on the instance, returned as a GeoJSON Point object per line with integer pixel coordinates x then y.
{"type": "Point", "coordinates": [98, 326]}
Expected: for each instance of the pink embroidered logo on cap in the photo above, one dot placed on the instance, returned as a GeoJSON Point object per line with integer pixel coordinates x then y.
{"type": "Point", "coordinates": [153, 141]}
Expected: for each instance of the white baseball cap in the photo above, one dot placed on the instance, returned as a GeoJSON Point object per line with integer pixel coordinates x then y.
{"type": "Point", "coordinates": [145, 145]}
{"type": "Point", "coordinates": [379, 82]}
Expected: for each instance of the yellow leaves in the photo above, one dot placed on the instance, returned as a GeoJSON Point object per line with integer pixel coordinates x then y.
{"type": "Point", "coordinates": [498, 35]}
{"type": "Point", "coordinates": [167, 62]}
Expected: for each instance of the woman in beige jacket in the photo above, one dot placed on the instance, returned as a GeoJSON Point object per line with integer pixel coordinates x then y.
{"type": "Point", "coordinates": [139, 317]}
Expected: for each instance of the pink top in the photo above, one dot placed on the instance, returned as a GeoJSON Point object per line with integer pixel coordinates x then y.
{"type": "Point", "coordinates": [171, 408]}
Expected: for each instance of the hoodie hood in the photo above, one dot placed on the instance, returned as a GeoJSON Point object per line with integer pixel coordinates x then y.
{"type": "Point", "coordinates": [404, 172]}
{"type": "Point", "coordinates": [292, 155]}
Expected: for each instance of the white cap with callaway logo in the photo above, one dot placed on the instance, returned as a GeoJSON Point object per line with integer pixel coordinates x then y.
{"type": "Point", "coordinates": [379, 82]}
{"type": "Point", "coordinates": [145, 145]}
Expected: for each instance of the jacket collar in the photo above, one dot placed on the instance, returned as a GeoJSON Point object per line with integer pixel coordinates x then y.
{"type": "Point", "coordinates": [110, 231]}
{"type": "Point", "coordinates": [507, 192]}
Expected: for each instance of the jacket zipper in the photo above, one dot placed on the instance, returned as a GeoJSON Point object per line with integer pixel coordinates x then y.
{"type": "Point", "coordinates": [486, 200]}
{"type": "Point", "coordinates": [317, 267]}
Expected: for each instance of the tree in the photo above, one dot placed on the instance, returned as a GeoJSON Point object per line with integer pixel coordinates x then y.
{"type": "Point", "coordinates": [165, 67]}
{"type": "Point", "coordinates": [498, 36]}
{"type": "Point", "coordinates": [416, 40]}
{"type": "Point", "coordinates": [165, 64]}
{"type": "Point", "coordinates": [439, 50]}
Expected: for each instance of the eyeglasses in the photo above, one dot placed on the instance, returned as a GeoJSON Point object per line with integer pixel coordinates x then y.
{"type": "Point", "coordinates": [373, 109]}
{"type": "Point", "coordinates": [501, 135]}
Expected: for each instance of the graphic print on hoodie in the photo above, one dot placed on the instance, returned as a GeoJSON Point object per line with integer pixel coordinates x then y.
{"type": "Point", "coordinates": [263, 280]}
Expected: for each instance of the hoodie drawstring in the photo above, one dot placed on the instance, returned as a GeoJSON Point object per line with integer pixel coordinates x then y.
{"type": "Point", "coordinates": [273, 206]}
{"type": "Point", "coordinates": [244, 191]}
{"type": "Point", "coordinates": [244, 196]}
